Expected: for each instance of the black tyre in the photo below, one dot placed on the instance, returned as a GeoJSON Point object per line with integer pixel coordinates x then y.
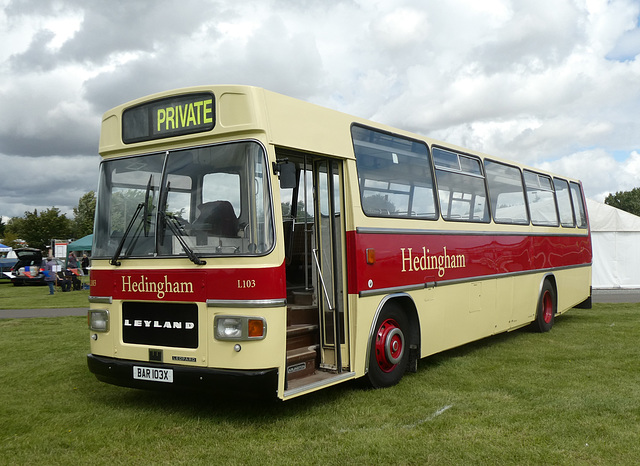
{"type": "Point", "coordinates": [389, 353]}
{"type": "Point", "coordinates": [547, 308]}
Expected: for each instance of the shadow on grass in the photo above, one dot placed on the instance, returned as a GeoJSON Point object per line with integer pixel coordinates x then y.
{"type": "Point", "coordinates": [486, 343]}
{"type": "Point", "coordinates": [264, 408]}
{"type": "Point", "coordinates": [221, 405]}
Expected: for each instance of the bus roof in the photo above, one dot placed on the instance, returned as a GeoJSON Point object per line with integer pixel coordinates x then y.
{"type": "Point", "coordinates": [243, 111]}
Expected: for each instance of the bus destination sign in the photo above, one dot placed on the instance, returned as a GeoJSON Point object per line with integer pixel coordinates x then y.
{"type": "Point", "coordinates": [168, 117]}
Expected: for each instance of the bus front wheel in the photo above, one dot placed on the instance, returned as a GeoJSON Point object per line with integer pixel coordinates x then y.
{"type": "Point", "coordinates": [547, 309]}
{"type": "Point", "coordinates": [389, 351]}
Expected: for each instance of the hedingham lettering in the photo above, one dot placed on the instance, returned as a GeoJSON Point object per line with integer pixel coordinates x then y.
{"type": "Point", "coordinates": [160, 288]}
{"type": "Point", "coordinates": [426, 261]}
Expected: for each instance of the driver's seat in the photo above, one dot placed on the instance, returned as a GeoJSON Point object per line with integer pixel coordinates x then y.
{"type": "Point", "coordinates": [218, 219]}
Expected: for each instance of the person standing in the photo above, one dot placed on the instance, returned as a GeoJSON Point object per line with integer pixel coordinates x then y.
{"type": "Point", "coordinates": [50, 274]}
{"type": "Point", "coordinates": [73, 261]}
{"type": "Point", "coordinates": [85, 264]}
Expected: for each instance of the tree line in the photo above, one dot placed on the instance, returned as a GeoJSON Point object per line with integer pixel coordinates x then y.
{"type": "Point", "coordinates": [37, 229]}
{"type": "Point", "coordinates": [629, 201]}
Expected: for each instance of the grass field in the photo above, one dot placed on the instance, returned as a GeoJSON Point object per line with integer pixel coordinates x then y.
{"type": "Point", "coordinates": [37, 297]}
{"type": "Point", "coordinates": [571, 396]}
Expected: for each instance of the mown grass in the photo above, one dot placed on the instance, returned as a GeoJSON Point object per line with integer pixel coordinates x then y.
{"type": "Point", "coordinates": [37, 297]}
{"type": "Point", "coordinates": [571, 396]}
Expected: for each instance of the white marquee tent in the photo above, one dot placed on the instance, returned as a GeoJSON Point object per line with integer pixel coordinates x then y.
{"type": "Point", "coordinates": [615, 235]}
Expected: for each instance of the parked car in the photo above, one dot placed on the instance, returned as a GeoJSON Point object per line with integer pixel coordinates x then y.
{"type": "Point", "coordinates": [6, 265]}
{"type": "Point", "coordinates": [29, 270]}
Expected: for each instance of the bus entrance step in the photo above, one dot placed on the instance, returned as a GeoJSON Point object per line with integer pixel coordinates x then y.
{"type": "Point", "coordinates": [297, 314]}
{"type": "Point", "coordinates": [301, 362]}
{"type": "Point", "coordinates": [303, 298]}
{"type": "Point", "coordinates": [301, 336]}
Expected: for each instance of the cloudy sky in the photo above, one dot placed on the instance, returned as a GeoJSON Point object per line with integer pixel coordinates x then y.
{"type": "Point", "coordinates": [551, 83]}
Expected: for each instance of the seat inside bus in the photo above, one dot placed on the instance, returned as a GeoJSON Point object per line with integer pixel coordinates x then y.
{"type": "Point", "coordinates": [217, 218]}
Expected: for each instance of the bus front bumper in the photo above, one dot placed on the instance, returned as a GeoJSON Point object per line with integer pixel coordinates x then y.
{"type": "Point", "coordinates": [263, 382]}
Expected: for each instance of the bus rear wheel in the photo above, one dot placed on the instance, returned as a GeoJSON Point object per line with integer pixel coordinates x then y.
{"type": "Point", "coordinates": [547, 308]}
{"type": "Point", "coordinates": [389, 353]}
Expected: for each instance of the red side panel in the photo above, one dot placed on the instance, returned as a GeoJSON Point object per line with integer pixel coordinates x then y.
{"type": "Point", "coordinates": [410, 259]}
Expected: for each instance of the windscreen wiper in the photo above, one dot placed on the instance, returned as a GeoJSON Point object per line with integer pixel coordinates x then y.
{"type": "Point", "coordinates": [169, 220]}
{"type": "Point", "coordinates": [147, 222]}
{"type": "Point", "coordinates": [145, 226]}
{"type": "Point", "coordinates": [114, 260]}
{"type": "Point", "coordinates": [162, 206]}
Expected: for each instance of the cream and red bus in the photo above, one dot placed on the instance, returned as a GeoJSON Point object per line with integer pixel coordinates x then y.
{"type": "Point", "coordinates": [245, 240]}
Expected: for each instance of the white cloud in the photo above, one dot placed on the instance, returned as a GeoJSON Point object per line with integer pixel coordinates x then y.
{"type": "Point", "coordinates": [599, 171]}
{"type": "Point", "coordinates": [552, 82]}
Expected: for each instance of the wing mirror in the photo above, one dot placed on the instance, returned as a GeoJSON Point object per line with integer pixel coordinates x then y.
{"type": "Point", "coordinates": [286, 172]}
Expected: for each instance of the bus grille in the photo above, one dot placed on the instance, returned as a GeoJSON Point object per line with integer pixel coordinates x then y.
{"type": "Point", "coordinates": [160, 324]}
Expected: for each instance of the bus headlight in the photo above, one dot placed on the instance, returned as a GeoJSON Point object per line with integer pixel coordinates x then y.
{"type": "Point", "coordinates": [98, 320]}
{"type": "Point", "coordinates": [238, 328]}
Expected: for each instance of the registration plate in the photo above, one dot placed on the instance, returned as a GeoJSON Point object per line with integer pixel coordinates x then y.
{"type": "Point", "coordinates": [153, 374]}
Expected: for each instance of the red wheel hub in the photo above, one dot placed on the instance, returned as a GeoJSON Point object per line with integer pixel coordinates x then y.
{"type": "Point", "coordinates": [547, 307]}
{"type": "Point", "coordinates": [389, 345]}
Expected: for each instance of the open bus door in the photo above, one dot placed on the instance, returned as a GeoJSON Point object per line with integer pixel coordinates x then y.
{"type": "Point", "coordinates": [314, 250]}
{"type": "Point", "coordinates": [328, 258]}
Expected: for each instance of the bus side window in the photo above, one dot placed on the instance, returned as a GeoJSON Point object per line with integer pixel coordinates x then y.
{"type": "Point", "coordinates": [461, 187]}
{"type": "Point", "coordinates": [507, 193]}
{"type": "Point", "coordinates": [220, 209]}
{"type": "Point", "coordinates": [541, 199]}
{"type": "Point", "coordinates": [578, 205]}
{"type": "Point", "coordinates": [220, 185]}
{"type": "Point", "coordinates": [394, 175]}
{"type": "Point", "coordinates": [565, 208]}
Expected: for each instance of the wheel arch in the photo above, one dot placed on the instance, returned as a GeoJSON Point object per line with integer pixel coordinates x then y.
{"type": "Point", "coordinates": [407, 304]}
{"type": "Point", "coordinates": [551, 278]}
{"type": "Point", "coordinates": [545, 312]}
